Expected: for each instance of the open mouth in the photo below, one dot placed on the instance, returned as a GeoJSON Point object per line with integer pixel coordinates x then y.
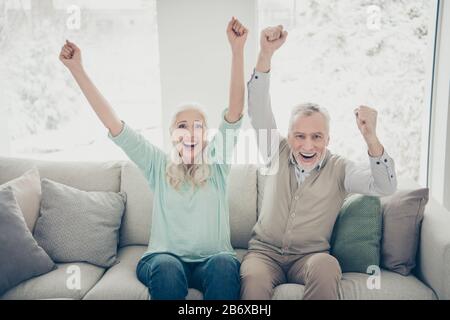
{"type": "Point", "coordinates": [307, 157]}
{"type": "Point", "coordinates": [190, 145]}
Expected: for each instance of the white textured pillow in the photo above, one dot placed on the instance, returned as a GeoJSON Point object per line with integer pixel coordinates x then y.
{"type": "Point", "coordinates": [27, 190]}
{"type": "Point", "coordinates": [79, 226]}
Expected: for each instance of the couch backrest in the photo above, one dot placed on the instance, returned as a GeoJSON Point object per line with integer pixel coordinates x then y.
{"type": "Point", "coordinates": [124, 176]}
{"type": "Point", "coordinates": [116, 176]}
{"type": "Point", "coordinates": [88, 176]}
{"type": "Point", "coordinates": [136, 224]}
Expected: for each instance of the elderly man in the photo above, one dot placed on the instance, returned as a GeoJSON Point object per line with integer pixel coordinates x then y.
{"type": "Point", "coordinates": [291, 240]}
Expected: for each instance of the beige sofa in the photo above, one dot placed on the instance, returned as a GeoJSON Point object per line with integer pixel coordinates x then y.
{"type": "Point", "coordinates": [431, 281]}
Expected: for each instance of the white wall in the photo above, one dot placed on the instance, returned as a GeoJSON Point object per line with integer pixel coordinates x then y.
{"type": "Point", "coordinates": [439, 177]}
{"type": "Point", "coordinates": [195, 55]}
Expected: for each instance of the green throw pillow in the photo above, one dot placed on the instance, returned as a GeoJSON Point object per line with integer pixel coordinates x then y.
{"type": "Point", "coordinates": [356, 238]}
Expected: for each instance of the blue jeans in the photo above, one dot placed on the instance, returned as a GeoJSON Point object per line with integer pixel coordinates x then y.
{"type": "Point", "coordinates": [169, 278]}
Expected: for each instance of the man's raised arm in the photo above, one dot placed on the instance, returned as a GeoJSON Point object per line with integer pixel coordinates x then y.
{"type": "Point", "coordinates": [380, 179]}
{"type": "Point", "coordinates": [259, 105]}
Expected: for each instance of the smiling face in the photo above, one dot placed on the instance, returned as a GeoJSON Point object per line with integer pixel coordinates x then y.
{"type": "Point", "coordinates": [189, 135]}
{"type": "Point", "coordinates": [308, 139]}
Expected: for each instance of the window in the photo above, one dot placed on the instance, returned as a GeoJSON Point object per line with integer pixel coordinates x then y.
{"type": "Point", "coordinates": [344, 53]}
{"type": "Point", "coordinates": [48, 117]}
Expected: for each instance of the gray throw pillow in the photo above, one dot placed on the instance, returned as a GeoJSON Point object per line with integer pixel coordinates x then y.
{"type": "Point", "coordinates": [20, 256]}
{"type": "Point", "coordinates": [402, 219]}
{"type": "Point", "coordinates": [79, 226]}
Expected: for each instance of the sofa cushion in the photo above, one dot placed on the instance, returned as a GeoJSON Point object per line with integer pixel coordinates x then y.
{"type": "Point", "coordinates": [393, 286]}
{"type": "Point", "coordinates": [121, 283]}
{"type": "Point", "coordinates": [20, 256]}
{"type": "Point", "coordinates": [136, 224]}
{"type": "Point", "coordinates": [242, 197]}
{"type": "Point", "coordinates": [353, 286]}
{"type": "Point", "coordinates": [27, 190]}
{"type": "Point", "coordinates": [289, 291]}
{"type": "Point", "coordinates": [402, 219]}
{"type": "Point", "coordinates": [88, 176]}
{"type": "Point", "coordinates": [58, 284]}
{"type": "Point", "coordinates": [356, 236]}
{"type": "Point", "coordinates": [79, 226]}
{"type": "Point", "coordinates": [434, 253]}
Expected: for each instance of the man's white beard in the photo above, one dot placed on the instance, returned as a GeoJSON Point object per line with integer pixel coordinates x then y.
{"type": "Point", "coordinates": [311, 167]}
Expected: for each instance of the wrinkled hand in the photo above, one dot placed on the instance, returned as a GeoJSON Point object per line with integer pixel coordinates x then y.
{"type": "Point", "coordinates": [272, 38]}
{"type": "Point", "coordinates": [237, 35]}
{"type": "Point", "coordinates": [70, 55]}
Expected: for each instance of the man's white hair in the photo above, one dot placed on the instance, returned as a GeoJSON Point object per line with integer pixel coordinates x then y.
{"type": "Point", "coordinates": [308, 109]}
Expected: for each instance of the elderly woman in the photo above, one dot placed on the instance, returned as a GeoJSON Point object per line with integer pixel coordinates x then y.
{"type": "Point", "coordinates": [190, 236]}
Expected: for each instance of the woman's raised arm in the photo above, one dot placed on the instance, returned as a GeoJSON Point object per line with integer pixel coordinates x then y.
{"type": "Point", "coordinates": [237, 36]}
{"type": "Point", "coordinates": [70, 56]}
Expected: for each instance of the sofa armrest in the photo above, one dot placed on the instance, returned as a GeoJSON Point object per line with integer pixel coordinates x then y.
{"type": "Point", "coordinates": [434, 252]}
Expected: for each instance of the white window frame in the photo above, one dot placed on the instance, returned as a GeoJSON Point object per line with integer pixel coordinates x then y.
{"type": "Point", "coordinates": [439, 139]}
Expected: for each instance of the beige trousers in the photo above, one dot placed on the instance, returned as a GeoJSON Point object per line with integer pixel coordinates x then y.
{"type": "Point", "coordinates": [261, 272]}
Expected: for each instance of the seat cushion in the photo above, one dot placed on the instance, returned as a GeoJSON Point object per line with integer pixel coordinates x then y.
{"type": "Point", "coordinates": [58, 284]}
{"type": "Point", "coordinates": [393, 286]}
{"type": "Point", "coordinates": [289, 291]}
{"type": "Point", "coordinates": [353, 286]}
{"type": "Point", "coordinates": [121, 283]}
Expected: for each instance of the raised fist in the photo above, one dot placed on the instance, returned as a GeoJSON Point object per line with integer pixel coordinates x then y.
{"type": "Point", "coordinates": [237, 34]}
{"type": "Point", "coordinates": [70, 55]}
{"type": "Point", "coordinates": [272, 38]}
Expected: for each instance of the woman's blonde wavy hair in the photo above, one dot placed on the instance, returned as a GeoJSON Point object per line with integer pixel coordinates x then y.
{"type": "Point", "coordinates": [176, 171]}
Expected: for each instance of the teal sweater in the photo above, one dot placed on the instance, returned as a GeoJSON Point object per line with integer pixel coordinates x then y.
{"type": "Point", "coordinates": [190, 223]}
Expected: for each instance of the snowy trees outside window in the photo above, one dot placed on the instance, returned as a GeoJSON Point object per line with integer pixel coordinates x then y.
{"type": "Point", "coordinates": [48, 117]}
{"type": "Point", "coordinates": [346, 53]}
{"type": "Point", "coordinates": [340, 54]}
